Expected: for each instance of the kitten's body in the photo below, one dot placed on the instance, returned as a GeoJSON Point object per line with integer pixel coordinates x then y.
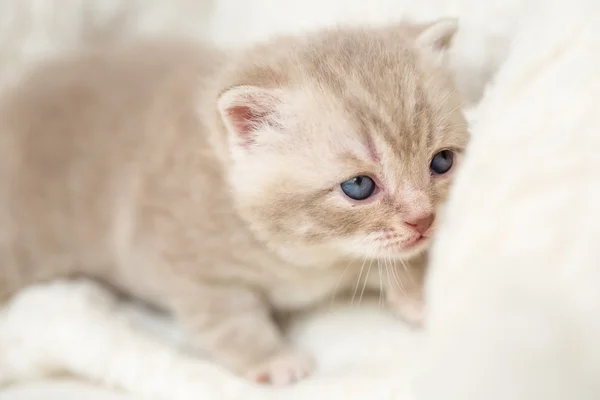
{"type": "Point", "coordinates": [122, 165]}
{"type": "Point", "coordinates": [91, 175]}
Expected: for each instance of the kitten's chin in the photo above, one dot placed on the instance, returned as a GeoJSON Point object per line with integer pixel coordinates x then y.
{"type": "Point", "coordinates": [406, 250]}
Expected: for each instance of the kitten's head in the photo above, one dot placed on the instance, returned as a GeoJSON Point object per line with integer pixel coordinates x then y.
{"type": "Point", "coordinates": [344, 142]}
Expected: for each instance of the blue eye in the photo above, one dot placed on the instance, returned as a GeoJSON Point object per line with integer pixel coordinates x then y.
{"type": "Point", "coordinates": [442, 162]}
{"type": "Point", "coordinates": [359, 187]}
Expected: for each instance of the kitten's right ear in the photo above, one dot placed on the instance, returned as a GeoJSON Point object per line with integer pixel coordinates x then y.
{"type": "Point", "coordinates": [436, 37]}
{"type": "Point", "coordinates": [246, 109]}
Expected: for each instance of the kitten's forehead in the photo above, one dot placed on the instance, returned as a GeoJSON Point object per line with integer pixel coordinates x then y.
{"type": "Point", "coordinates": [381, 94]}
{"type": "Point", "coordinates": [362, 61]}
{"type": "Point", "coordinates": [380, 82]}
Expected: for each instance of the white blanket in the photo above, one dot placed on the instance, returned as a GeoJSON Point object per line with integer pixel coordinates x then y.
{"type": "Point", "coordinates": [513, 303]}
{"type": "Point", "coordinates": [513, 294]}
{"type": "Point", "coordinates": [73, 326]}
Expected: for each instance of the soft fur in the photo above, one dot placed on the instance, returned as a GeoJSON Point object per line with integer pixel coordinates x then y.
{"type": "Point", "coordinates": [209, 184]}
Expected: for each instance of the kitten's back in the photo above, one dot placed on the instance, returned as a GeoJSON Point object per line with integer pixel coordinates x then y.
{"type": "Point", "coordinates": [73, 136]}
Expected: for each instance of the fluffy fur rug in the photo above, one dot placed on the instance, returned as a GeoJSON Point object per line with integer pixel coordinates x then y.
{"type": "Point", "coordinates": [513, 299]}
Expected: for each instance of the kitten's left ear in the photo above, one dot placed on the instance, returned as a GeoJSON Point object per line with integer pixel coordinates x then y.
{"type": "Point", "coordinates": [246, 110]}
{"type": "Point", "coordinates": [435, 38]}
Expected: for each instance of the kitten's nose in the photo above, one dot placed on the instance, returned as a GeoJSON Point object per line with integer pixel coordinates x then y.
{"type": "Point", "coordinates": [420, 223]}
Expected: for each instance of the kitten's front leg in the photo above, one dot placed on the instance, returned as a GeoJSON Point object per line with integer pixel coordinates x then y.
{"type": "Point", "coordinates": [405, 293]}
{"type": "Point", "coordinates": [234, 326]}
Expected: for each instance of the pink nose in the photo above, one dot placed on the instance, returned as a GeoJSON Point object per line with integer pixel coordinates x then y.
{"type": "Point", "coordinates": [420, 223]}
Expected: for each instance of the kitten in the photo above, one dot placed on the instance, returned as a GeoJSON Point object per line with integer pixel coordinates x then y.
{"type": "Point", "coordinates": [222, 187]}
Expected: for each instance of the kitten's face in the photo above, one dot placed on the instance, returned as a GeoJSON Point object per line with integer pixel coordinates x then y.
{"type": "Point", "coordinates": [354, 156]}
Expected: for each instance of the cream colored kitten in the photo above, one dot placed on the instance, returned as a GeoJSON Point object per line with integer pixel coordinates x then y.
{"type": "Point", "coordinates": [224, 187]}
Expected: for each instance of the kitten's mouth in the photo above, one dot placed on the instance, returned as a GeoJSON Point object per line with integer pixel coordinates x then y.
{"type": "Point", "coordinates": [415, 243]}
{"type": "Point", "coordinates": [391, 244]}
{"type": "Point", "coordinates": [412, 245]}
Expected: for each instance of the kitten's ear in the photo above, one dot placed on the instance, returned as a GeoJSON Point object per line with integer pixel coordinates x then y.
{"type": "Point", "coordinates": [435, 38]}
{"type": "Point", "coordinates": [246, 109]}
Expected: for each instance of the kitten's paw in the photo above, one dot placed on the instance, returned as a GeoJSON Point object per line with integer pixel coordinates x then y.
{"type": "Point", "coordinates": [284, 368]}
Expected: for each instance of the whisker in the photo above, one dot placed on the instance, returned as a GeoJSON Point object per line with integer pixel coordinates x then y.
{"type": "Point", "coordinates": [456, 126]}
{"type": "Point", "coordinates": [410, 278]}
{"type": "Point", "coordinates": [440, 104]}
{"type": "Point", "coordinates": [339, 281]}
{"type": "Point", "coordinates": [380, 284]}
{"type": "Point", "coordinates": [443, 118]}
{"type": "Point", "coordinates": [365, 282]}
{"type": "Point", "coordinates": [387, 270]}
{"type": "Point", "coordinates": [362, 267]}
{"type": "Point", "coordinates": [445, 98]}
{"type": "Point", "coordinates": [397, 278]}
